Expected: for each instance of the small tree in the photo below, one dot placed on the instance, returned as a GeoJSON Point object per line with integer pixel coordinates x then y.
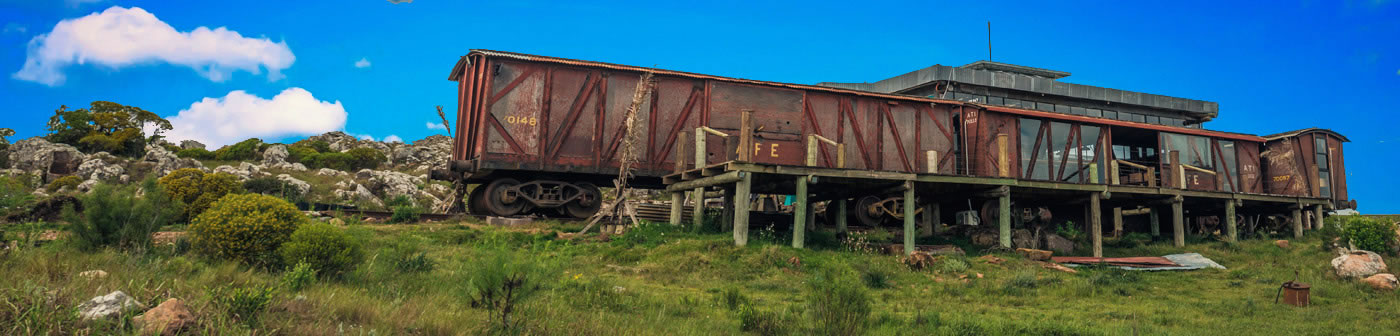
{"type": "Point", "coordinates": [241, 151]}
{"type": "Point", "coordinates": [838, 306]}
{"type": "Point", "coordinates": [106, 126]}
{"type": "Point", "coordinates": [501, 283]}
{"type": "Point", "coordinates": [365, 158]}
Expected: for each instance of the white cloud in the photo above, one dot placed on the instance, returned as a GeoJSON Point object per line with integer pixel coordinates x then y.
{"type": "Point", "coordinates": [237, 116]}
{"type": "Point", "coordinates": [120, 37]}
{"type": "Point", "coordinates": [400, 1]}
{"type": "Point", "coordinates": [367, 137]}
{"type": "Point", "coordinates": [362, 63]}
{"type": "Point", "coordinates": [436, 126]}
{"type": "Point", "coordinates": [393, 138]}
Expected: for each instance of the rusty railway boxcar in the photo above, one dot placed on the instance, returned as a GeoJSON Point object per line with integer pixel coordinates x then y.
{"type": "Point", "coordinates": [539, 134]}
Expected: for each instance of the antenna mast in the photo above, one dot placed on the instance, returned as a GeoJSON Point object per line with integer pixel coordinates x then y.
{"type": "Point", "coordinates": [989, 40]}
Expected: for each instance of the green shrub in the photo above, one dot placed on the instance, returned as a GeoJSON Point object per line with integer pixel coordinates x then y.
{"type": "Point", "coordinates": [732, 298]}
{"type": "Point", "coordinates": [404, 210]}
{"type": "Point", "coordinates": [296, 153]}
{"type": "Point", "coordinates": [243, 303]}
{"type": "Point", "coordinates": [117, 217]}
{"type": "Point", "coordinates": [69, 181]}
{"type": "Point", "coordinates": [1068, 230]}
{"type": "Point", "coordinates": [14, 193]}
{"type": "Point", "coordinates": [365, 158]}
{"type": "Point", "coordinates": [953, 265]}
{"type": "Point", "coordinates": [337, 161]}
{"type": "Point", "coordinates": [242, 151]}
{"type": "Point", "coordinates": [875, 279]}
{"type": "Point", "coordinates": [1369, 234]}
{"type": "Point", "coordinates": [837, 306]}
{"type": "Point", "coordinates": [756, 321]}
{"type": "Point", "coordinates": [195, 153]}
{"type": "Point", "coordinates": [245, 227]}
{"type": "Point", "coordinates": [408, 257]}
{"type": "Point", "coordinates": [274, 187]}
{"type": "Point", "coordinates": [197, 189]}
{"type": "Point", "coordinates": [299, 276]}
{"type": "Point", "coordinates": [328, 249]}
{"type": "Point", "coordinates": [1022, 279]}
{"type": "Point", "coordinates": [501, 282]}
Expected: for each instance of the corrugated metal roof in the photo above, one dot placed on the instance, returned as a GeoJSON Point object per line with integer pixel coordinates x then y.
{"type": "Point", "coordinates": [1288, 134]}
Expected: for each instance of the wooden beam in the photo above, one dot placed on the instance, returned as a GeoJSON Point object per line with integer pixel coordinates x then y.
{"type": "Point", "coordinates": [927, 220]}
{"type": "Point", "coordinates": [1152, 216]}
{"type": "Point", "coordinates": [799, 213]}
{"type": "Point", "coordinates": [1317, 213]}
{"type": "Point", "coordinates": [1232, 233]}
{"type": "Point", "coordinates": [1003, 164]}
{"type": "Point", "coordinates": [1096, 224]}
{"type": "Point", "coordinates": [1297, 222]}
{"type": "Point", "coordinates": [700, 183]}
{"type": "Point", "coordinates": [1004, 218]}
{"type": "Point", "coordinates": [841, 215]}
{"type": "Point", "coordinates": [1178, 225]}
{"type": "Point", "coordinates": [741, 210]}
{"type": "Point", "coordinates": [1174, 163]}
{"type": "Point", "coordinates": [677, 207]}
{"type": "Point", "coordinates": [908, 208]}
{"type": "Point", "coordinates": [727, 216]}
{"type": "Point", "coordinates": [745, 135]}
{"type": "Point", "coordinates": [1117, 222]}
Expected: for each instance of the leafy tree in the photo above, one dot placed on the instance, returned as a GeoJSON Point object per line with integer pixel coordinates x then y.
{"type": "Point", "coordinates": [5, 147]}
{"type": "Point", "coordinates": [365, 158]}
{"type": "Point", "coordinates": [107, 127]}
{"type": "Point", "coordinates": [241, 151]}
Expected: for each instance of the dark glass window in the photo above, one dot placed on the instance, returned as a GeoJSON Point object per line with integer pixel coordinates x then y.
{"type": "Point", "coordinates": [1324, 171]}
{"type": "Point", "coordinates": [1059, 140]}
{"type": "Point", "coordinates": [1154, 120]}
{"type": "Point", "coordinates": [1110, 114]}
{"type": "Point", "coordinates": [1034, 165]}
{"type": "Point", "coordinates": [1227, 151]}
{"type": "Point", "coordinates": [996, 100]}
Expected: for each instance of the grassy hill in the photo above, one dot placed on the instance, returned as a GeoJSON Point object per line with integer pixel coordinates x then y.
{"type": "Point", "coordinates": [663, 280]}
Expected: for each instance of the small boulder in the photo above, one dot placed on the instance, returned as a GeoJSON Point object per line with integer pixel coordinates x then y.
{"type": "Point", "coordinates": [337, 222]}
{"type": "Point", "coordinates": [1382, 281]}
{"type": "Point", "coordinates": [112, 304]}
{"type": "Point", "coordinates": [1358, 264]}
{"type": "Point", "coordinates": [1023, 238]}
{"type": "Point", "coordinates": [984, 238]}
{"type": "Point", "coordinates": [275, 155]}
{"type": "Point", "coordinates": [1281, 243]}
{"type": "Point", "coordinates": [93, 274]}
{"type": "Point", "coordinates": [169, 318]}
{"type": "Point", "coordinates": [1058, 244]}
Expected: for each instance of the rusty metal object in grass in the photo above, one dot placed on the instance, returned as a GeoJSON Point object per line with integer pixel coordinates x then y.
{"type": "Point", "coordinates": [1293, 292]}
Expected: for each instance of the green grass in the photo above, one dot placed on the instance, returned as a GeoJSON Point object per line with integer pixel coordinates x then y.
{"type": "Point", "coordinates": [662, 280]}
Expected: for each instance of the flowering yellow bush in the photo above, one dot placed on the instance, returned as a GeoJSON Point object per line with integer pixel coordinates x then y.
{"type": "Point", "coordinates": [245, 227]}
{"type": "Point", "coordinates": [197, 189]}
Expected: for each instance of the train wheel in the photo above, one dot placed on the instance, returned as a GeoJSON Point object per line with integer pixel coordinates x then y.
{"type": "Point", "coordinates": [862, 211]}
{"type": "Point", "coordinates": [476, 201]}
{"type": "Point", "coordinates": [499, 202]}
{"type": "Point", "coordinates": [587, 204]}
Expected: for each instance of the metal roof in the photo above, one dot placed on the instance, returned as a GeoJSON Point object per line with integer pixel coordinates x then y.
{"type": "Point", "coordinates": [1290, 134]}
{"type": "Point", "coordinates": [1014, 77]}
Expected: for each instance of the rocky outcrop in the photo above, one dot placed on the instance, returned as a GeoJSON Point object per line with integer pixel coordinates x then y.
{"type": "Point", "coordinates": [340, 142]}
{"type": "Point", "coordinates": [1358, 264]}
{"type": "Point", "coordinates": [1058, 244]}
{"type": "Point", "coordinates": [275, 155]}
{"type": "Point", "coordinates": [110, 305]}
{"type": "Point", "coordinates": [331, 172]}
{"type": "Point", "coordinates": [102, 167]}
{"type": "Point", "coordinates": [425, 153]}
{"type": "Point", "coordinates": [166, 162]}
{"type": "Point", "coordinates": [171, 317]}
{"type": "Point", "coordinates": [191, 144]}
{"type": "Point", "coordinates": [390, 184]}
{"type": "Point", "coordinates": [37, 154]}
{"type": "Point", "coordinates": [245, 171]}
{"type": "Point", "coordinates": [301, 186]}
{"type": "Point", "coordinates": [351, 191]}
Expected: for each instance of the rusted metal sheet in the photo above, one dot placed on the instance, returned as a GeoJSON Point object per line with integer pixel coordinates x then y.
{"type": "Point", "coordinates": [1283, 168]}
{"type": "Point", "coordinates": [1143, 262]}
{"type": "Point", "coordinates": [1251, 174]}
{"type": "Point", "coordinates": [984, 128]}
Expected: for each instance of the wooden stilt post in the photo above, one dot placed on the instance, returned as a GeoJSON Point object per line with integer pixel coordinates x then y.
{"type": "Point", "coordinates": [926, 220]}
{"type": "Point", "coordinates": [841, 215]}
{"type": "Point", "coordinates": [1297, 222]}
{"type": "Point", "coordinates": [1152, 215]}
{"type": "Point", "coordinates": [1178, 223]}
{"type": "Point", "coordinates": [1096, 224]}
{"type": "Point", "coordinates": [1117, 222]}
{"type": "Point", "coordinates": [741, 209]}
{"type": "Point", "coordinates": [908, 208]}
{"type": "Point", "coordinates": [1317, 213]}
{"type": "Point", "coordinates": [1232, 233]}
{"type": "Point", "coordinates": [799, 213]}
{"type": "Point", "coordinates": [727, 217]}
{"type": "Point", "coordinates": [678, 197]}
{"type": "Point", "coordinates": [1004, 216]}
{"type": "Point", "coordinates": [937, 217]}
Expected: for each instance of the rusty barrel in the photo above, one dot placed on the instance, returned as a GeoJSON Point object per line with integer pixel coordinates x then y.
{"type": "Point", "coordinates": [1296, 293]}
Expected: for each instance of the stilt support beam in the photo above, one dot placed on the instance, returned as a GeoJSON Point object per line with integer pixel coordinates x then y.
{"type": "Point", "coordinates": [841, 215]}
{"type": "Point", "coordinates": [741, 209]}
{"type": "Point", "coordinates": [1317, 213]}
{"type": "Point", "coordinates": [800, 213]}
{"type": "Point", "coordinates": [677, 207]}
{"type": "Point", "coordinates": [1153, 217]}
{"type": "Point", "coordinates": [1232, 231]}
{"type": "Point", "coordinates": [1297, 222]}
{"type": "Point", "coordinates": [1096, 224]}
{"type": "Point", "coordinates": [1004, 217]}
{"type": "Point", "coordinates": [1178, 223]}
{"type": "Point", "coordinates": [908, 207]}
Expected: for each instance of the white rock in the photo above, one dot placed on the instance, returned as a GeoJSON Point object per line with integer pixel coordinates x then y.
{"type": "Point", "coordinates": [112, 304]}
{"type": "Point", "coordinates": [38, 154]}
{"type": "Point", "coordinates": [275, 155]}
{"type": "Point", "coordinates": [93, 274]}
{"type": "Point", "coordinates": [301, 186]}
{"type": "Point", "coordinates": [166, 161]}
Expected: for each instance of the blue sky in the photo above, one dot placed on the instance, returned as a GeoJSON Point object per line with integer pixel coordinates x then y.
{"type": "Point", "coordinates": [1284, 66]}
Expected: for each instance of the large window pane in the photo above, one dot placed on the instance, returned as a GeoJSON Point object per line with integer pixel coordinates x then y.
{"type": "Point", "coordinates": [1030, 135]}
{"type": "Point", "coordinates": [1227, 151]}
{"type": "Point", "coordinates": [1059, 140]}
{"type": "Point", "coordinates": [1088, 139]}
